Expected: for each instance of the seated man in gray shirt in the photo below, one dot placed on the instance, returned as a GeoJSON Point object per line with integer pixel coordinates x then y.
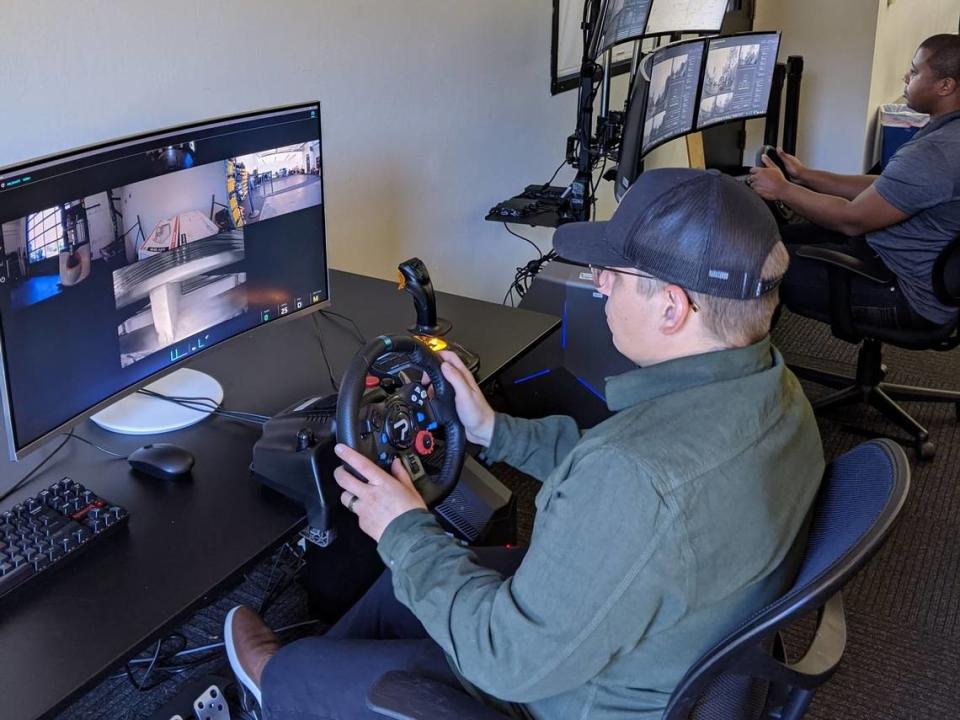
{"type": "Point", "coordinates": [906, 216]}
{"type": "Point", "coordinates": [657, 531]}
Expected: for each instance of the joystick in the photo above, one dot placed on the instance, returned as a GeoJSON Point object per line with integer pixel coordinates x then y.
{"type": "Point", "coordinates": [415, 279]}
{"type": "Point", "coordinates": [771, 152]}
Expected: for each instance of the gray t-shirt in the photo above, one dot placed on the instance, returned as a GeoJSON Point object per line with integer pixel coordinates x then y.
{"type": "Point", "coordinates": [923, 180]}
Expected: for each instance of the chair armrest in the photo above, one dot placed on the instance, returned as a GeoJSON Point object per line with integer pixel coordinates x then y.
{"type": "Point", "coordinates": [405, 696]}
{"type": "Point", "coordinates": [814, 668]}
{"type": "Point", "coordinates": [872, 269]}
{"type": "Point", "coordinates": [824, 654]}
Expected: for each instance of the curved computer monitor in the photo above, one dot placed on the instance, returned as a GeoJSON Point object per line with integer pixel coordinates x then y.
{"type": "Point", "coordinates": [122, 260]}
{"type": "Point", "coordinates": [693, 85]}
{"type": "Point", "coordinates": [626, 20]}
{"type": "Point", "coordinates": [737, 78]}
{"type": "Point", "coordinates": [660, 109]}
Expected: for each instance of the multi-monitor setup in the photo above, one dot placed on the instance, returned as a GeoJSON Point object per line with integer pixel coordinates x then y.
{"type": "Point", "coordinates": [679, 88]}
{"type": "Point", "coordinates": [121, 260]}
{"type": "Point", "coordinates": [692, 85]}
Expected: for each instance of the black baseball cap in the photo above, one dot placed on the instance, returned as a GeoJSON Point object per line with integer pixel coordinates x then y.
{"type": "Point", "coordinates": [698, 229]}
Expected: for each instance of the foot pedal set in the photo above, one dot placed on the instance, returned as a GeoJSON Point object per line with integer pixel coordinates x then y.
{"type": "Point", "coordinates": [201, 699]}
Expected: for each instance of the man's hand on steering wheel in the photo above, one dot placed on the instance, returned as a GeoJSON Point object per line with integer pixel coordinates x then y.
{"type": "Point", "coordinates": [382, 498]}
{"type": "Point", "coordinates": [472, 407]}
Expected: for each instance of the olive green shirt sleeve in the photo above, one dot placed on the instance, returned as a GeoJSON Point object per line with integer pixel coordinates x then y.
{"type": "Point", "coordinates": [545, 630]}
{"type": "Point", "coordinates": [534, 447]}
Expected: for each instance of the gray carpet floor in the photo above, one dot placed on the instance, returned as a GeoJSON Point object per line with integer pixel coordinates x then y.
{"type": "Point", "coordinates": [903, 609]}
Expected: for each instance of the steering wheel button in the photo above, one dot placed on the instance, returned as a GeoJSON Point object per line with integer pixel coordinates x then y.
{"type": "Point", "coordinates": [421, 417]}
{"type": "Point", "coordinates": [423, 443]}
{"type": "Point", "coordinates": [371, 381]}
{"type": "Point", "coordinates": [383, 438]}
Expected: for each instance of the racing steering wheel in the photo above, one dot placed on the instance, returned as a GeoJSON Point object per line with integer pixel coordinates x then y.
{"type": "Point", "coordinates": [383, 425]}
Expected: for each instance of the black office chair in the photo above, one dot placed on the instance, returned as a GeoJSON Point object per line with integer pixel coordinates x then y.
{"type": "Point", "coordinates": [869, 385]}
{"type": "Point", "coordinates": [746, 676]}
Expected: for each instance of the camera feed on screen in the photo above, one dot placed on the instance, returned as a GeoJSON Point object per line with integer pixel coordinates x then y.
{"type": "Point", "coordinates": [669, 16]}
{"type": "Point", "coordinates": [633, 19]}
{"type": "Point", "coordinates": [173, 244]}
{"type": "Point", "coordinates": [672, 93]}
{"type": "Point", "coordinates": [738, 78]}
{"type": "Point", "coordinates": [623, 20]}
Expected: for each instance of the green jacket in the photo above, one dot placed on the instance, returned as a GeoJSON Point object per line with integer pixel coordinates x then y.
{"type": "Point", "coordinates": [656, 533]}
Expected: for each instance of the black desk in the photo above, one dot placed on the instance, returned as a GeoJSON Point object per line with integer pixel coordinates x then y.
{"type": "Point", "coordinates": [187, 538]}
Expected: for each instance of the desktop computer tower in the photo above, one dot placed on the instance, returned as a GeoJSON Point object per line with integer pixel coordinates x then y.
{"type": "Point", "coordinates": [567, 373]}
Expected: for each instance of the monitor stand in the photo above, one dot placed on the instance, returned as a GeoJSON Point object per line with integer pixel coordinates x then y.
{"type": "Point", "coordinates": [139, 414]}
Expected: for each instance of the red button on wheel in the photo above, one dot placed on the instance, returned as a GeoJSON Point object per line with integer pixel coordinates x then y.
{"type": "Point", "coordinates": [371, 381]}
{"type": "Point", "coordinates": [423, 443]}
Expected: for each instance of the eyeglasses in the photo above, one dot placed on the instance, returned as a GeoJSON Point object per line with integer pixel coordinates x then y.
{"type": "Point", "coordinates": [598, 273]}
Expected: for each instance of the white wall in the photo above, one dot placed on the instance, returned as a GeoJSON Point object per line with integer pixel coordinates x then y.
{"type": "Point", "coordinates": [901, 26]}
{"type": "Point", "coordinates": [433, 111]}
{"type": "Point", "coordinates": [836, 39]}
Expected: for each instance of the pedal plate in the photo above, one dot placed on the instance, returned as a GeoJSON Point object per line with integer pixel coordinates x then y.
{"type": "Point", "coordinates": [211, 705]}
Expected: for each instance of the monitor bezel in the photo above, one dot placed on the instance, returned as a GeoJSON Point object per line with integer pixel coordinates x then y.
{"type": "Point", "coordinates": [719, 123]}
{"type": "Point", "coordinates": [18, 452]}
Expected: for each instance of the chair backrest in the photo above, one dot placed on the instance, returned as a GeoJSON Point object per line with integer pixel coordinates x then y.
{"type": "Point", "coordinates": [861, 495]}
{"type": "Point", "coordinates": [946, 275]}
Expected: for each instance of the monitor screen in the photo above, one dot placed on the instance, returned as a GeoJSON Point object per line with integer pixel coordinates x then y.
{"type": "Point", "coordinates": [738, 77]}
{"type": "Point", "coordinates": [684, 16]}
{"type": "Point", "coordinates": [672, 93]}
{"type": "Point", "coordinates": [123, 259]}
{"type": "Point", "coordinates": [634, 19]}
{"type": "Point", "coordinates": [623, 20]}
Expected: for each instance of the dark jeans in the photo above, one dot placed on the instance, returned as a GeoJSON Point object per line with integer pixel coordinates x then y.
{"type": "Point", "coordinates": [805, 289]}
{"type": "Point", "coordinates": [327, 678]}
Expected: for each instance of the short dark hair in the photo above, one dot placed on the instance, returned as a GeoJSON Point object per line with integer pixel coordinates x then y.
{"type": "Point", "coordinates": [944, 57]}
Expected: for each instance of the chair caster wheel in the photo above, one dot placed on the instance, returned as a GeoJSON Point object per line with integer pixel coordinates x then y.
{"type": "Point", "coordinates": [925, 450]}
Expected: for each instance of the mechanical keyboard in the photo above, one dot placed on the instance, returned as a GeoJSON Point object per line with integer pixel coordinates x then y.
{"type": "Point", "coordinates": [43, 531]}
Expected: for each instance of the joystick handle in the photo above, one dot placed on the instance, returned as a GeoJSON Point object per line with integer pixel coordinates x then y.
{"type": "Point", "coordinates": [415, 279]}
{"type": "Point", "coordinates": [771, 152]}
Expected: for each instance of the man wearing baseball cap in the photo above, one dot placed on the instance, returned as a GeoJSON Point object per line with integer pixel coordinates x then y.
{"type": "Point", "coordinates": [657, 532]}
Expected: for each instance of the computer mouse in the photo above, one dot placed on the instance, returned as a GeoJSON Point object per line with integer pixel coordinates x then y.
{"type": "Point", "coordinates": [164, 461]}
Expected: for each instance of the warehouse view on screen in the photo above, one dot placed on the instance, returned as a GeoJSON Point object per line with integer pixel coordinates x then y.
{"type": "Point", "coordinates": [672, 95]}
{"type": "Point", "coordinates": [120, 260]}
{"type": "Point", "coordinates": [738, 77]}
{"type": "Point", "coordinates": [699, 83]}
{"type": "Point", "coordinates": [631, 19]}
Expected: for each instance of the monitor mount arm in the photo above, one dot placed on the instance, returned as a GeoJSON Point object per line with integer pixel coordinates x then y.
{"type": "Point", "coordinates": [580, 145]}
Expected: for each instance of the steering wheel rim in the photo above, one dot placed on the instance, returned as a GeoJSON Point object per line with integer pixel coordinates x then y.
{"type": "Point", "coordinates": [442, 406]}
